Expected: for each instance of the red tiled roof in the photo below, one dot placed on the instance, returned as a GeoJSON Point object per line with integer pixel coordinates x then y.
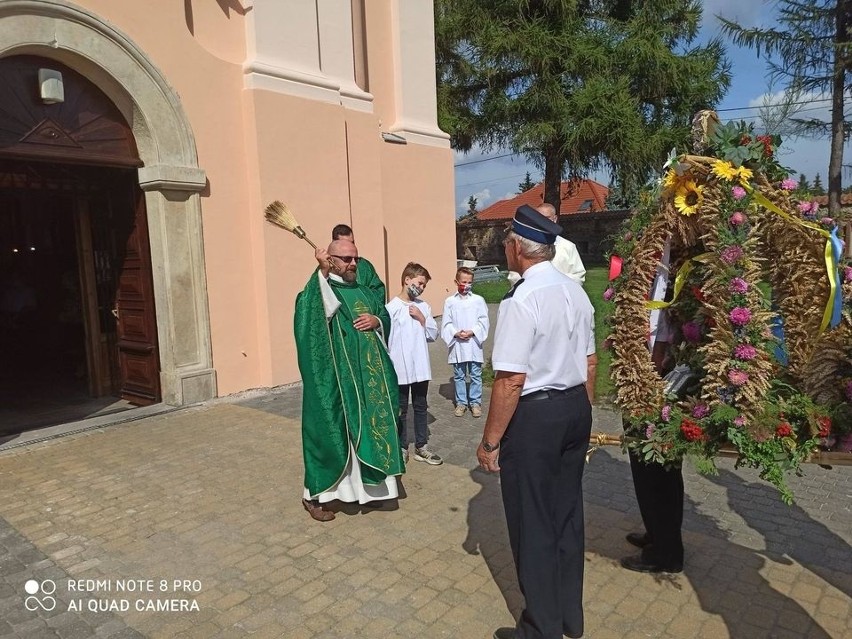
{"type": "Point", "coordinates": [574, 195]}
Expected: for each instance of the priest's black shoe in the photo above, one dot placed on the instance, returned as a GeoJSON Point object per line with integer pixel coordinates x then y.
{"type": "Point", "coordinates": [504, 633]}
{"type": "Point", "coordinates": [637, 564]}
{"type": "Point", "coordinates": [640, 540]}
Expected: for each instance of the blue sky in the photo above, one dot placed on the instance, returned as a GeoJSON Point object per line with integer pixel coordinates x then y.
{"type": "Point", "coordinates": [496, 179]}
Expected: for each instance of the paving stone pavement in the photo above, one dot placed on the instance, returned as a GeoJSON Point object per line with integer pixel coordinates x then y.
{"type": "Point", "coordinates": [209, 496]}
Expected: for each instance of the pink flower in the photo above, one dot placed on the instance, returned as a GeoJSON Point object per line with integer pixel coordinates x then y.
{"type": "Point", "coordinates": [738, 192]}
{"type": "Point", "coordinates": [737, 377]}
{"type": "Point", "coordinates": [827, 221]}
{"type": "Point", "coordinates": [804, 207]}
{"type": "Point", "coordinates": [740, 316]}
{"type": "Point", "coordinates": [649, 431]}
{"type": "Point", "coordinates": [609, 293]}
{"type": "Point", "coordinates": [788, 184]}
{"type": "Point", "coordinates": [700, 410]}
{"type": "Point", "coordinates": [737, 218]}
{"type": "Point", "coordinates": [666, 413]}
{"type": "Point", "coordinates": [739, 421]}
{"type": "Point", "coordinates": [847, 273]}
{"type": "Point", "coordinates": [731, 254]}
{"type": "Point", "coordinates": [738, 285]}
{"type": "Point", "coordinates": [814, 207]}
{"type": "Point", "coordinates": [745, 352]}
{"type": "Point", "coordinates": [628, 236]}
{"type": "Point", "coordinates": [691, 332]}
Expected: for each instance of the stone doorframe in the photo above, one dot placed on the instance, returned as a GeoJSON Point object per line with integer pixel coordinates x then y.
{"type": "Point", "coordinates": [170, 177]}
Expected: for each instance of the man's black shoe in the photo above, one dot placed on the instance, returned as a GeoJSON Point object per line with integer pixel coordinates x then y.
{"type": "Point", "coordinates": [637, 564]}
{"type": "Point", "coordinates": [504, 633]}
{"type": "Point", "coordinates": [640, 540]}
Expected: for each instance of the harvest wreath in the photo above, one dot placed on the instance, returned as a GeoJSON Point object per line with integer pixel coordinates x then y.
{"type": "Point", "coordinates": [761, 308]}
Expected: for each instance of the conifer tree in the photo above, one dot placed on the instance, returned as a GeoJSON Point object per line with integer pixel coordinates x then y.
{"type": "Point", "coordinates": [803, 185]}
{"type": "Point", "coordinates": [575, 85]}
{"type": "Point", "coordinates": [816, 187]}
{"type": "Point", "coordinates": [810, 55]}
{"type": "Point", "coordinates": [526, 185]}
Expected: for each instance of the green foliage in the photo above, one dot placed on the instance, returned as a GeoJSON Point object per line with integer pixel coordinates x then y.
{"type": "Point", "coordinates": [737, 143]}
{"type": "Point", "coordinates": [809, 55]}
{"type": "Point", "coordinates": [526, 185]}
{"type": "Point", "coordinates": [575, 86]}
{"type": "Point", "coordinates": [816, 187]}
{"type": "Point", "coordinates": [471, 205]}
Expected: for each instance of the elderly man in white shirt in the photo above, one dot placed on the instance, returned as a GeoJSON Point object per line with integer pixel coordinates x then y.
{"type": "Point", "coordinates": [537, 431]}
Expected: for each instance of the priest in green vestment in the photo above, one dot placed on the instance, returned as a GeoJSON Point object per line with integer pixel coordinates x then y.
{"type": "Point", "coordinates": [349, 398]}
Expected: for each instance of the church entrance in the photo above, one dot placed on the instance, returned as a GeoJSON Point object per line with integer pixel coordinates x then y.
{"type": "Point", "coordinates": [77, 317]}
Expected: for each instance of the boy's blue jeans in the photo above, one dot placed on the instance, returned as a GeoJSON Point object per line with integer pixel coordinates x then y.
{"type": "Point", "coordinates": [418, 391]}
{"type": "Point", "coordinates": [463, 396]}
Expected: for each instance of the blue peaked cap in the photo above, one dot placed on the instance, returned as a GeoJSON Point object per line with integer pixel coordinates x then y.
{"type": "Point", "coordinates": [532, 225]}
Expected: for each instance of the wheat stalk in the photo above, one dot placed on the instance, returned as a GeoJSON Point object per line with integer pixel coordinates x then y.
{"type": "Point", "coordinates": [280, 215]}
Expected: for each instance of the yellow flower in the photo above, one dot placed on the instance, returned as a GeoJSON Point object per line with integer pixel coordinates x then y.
{"type": "Point", "coordinates": [671, 179]}
{"type": "Point", "coordinates": [724, 170]}
{"type": "Point", "coordinates": [688, 198]}
{"type": "Point", "coordinates": [744, 174]}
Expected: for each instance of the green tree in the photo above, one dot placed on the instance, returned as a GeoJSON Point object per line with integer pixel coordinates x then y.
{"type": "Point", "coordinates": [810, 54]}
{"type": "Point", "coordinates": [816, 187]}
{"type": "Point", "coordinates": [526, 185]}
{"type": "Point", "coordinates": [803, 185]}
{"type": "Point", "coordinates": [471, 205]}
{"type": "Point", "coordinates": [575, 85]}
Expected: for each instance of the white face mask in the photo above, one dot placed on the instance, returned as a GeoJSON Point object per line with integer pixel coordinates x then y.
{"type": "Point", "coordinates": [414, 291]}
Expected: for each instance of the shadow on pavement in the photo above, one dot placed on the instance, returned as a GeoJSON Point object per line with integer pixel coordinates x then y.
{"type": "Point", "coordinates": [791, 535]}
{"type": "Point", "coordinates": [726, 577]}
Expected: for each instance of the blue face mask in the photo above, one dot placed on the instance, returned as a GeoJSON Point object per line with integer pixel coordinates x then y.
{"type": "Point", "coordinates": [414, 291]}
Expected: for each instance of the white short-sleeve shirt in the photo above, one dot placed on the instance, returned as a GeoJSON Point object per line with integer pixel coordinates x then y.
{"type": "Point", "coordinates": [546, 330]}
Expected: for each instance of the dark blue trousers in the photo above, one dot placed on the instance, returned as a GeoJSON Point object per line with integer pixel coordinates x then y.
{"type": "Point", "coordinates": [542, 456]}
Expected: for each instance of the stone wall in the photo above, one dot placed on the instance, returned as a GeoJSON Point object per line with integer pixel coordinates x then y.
{"type": "Point", "coordinates": [591, 232]}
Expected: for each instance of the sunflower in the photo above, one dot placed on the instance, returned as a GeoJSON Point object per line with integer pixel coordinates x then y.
{"type": "Point", "coordinates": [688, 198]}
{"type": "Point", "coordinates": [724, 170]}
{"type": "Point", "coordinates": [671, 179]}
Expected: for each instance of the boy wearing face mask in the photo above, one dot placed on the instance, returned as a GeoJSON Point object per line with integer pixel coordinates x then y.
{"type": "Point", "coordinates": [412, 326]}
{"type": "Point", "coordinates": [464, 327]}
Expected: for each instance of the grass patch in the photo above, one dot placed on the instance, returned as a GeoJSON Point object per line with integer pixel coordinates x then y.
{"type": "Point", "coordinates": [596, 283]}
{"type": "Point", "coordinates": [494, 291]}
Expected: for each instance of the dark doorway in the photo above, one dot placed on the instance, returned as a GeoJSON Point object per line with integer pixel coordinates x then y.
{"type": "Point", "coordinates": [75, 290]}
{"type": "Point", "coordinates": [76, 295]}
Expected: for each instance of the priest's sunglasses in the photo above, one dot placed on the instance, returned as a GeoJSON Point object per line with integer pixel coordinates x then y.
{"type": "Point", "coordinates": [347, 259]}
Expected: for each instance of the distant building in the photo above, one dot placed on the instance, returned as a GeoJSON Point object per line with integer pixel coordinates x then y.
{"type": "Point", "coordinates": [583, 216]}
{"type": "Point", "coordinates": [581, 196]}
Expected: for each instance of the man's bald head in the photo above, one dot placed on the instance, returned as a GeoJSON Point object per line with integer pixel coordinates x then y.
{"type": "Point", "coordinates": [548, 211]}
{"type": "Point", "coordinates": [344, 255]}
{"type": "Point", "coordinates": [343, 247]}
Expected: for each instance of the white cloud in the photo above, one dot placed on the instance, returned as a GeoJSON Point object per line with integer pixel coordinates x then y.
{"type": "Point", "coordinates": [483, 197]}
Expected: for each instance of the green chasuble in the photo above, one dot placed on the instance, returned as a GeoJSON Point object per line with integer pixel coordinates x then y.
{"type": "Point", "coordinates": [350, 391]}
{"type": "Point", "coordinates": [367, 276]}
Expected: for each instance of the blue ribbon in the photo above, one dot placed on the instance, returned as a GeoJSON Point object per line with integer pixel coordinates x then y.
{"type": "Point", "coordinates": [836, 250]}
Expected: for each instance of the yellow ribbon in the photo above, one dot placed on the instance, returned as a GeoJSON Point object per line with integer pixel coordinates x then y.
{"type": "Point", "coordinates": [680, 280]}
{"type": "Point", "coordinates": [829, 256]}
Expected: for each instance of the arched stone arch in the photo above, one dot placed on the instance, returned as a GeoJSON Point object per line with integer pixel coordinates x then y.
{"type": "Point", "coordinates": [170, 177]}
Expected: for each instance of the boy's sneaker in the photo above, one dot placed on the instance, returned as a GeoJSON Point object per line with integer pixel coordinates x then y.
{"type": "Point", "coordinates": [426, 455]}
{"type": "Point", "coordinates": [476, 410]}
{"type": "Point", "coordinates": [460, 409]}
